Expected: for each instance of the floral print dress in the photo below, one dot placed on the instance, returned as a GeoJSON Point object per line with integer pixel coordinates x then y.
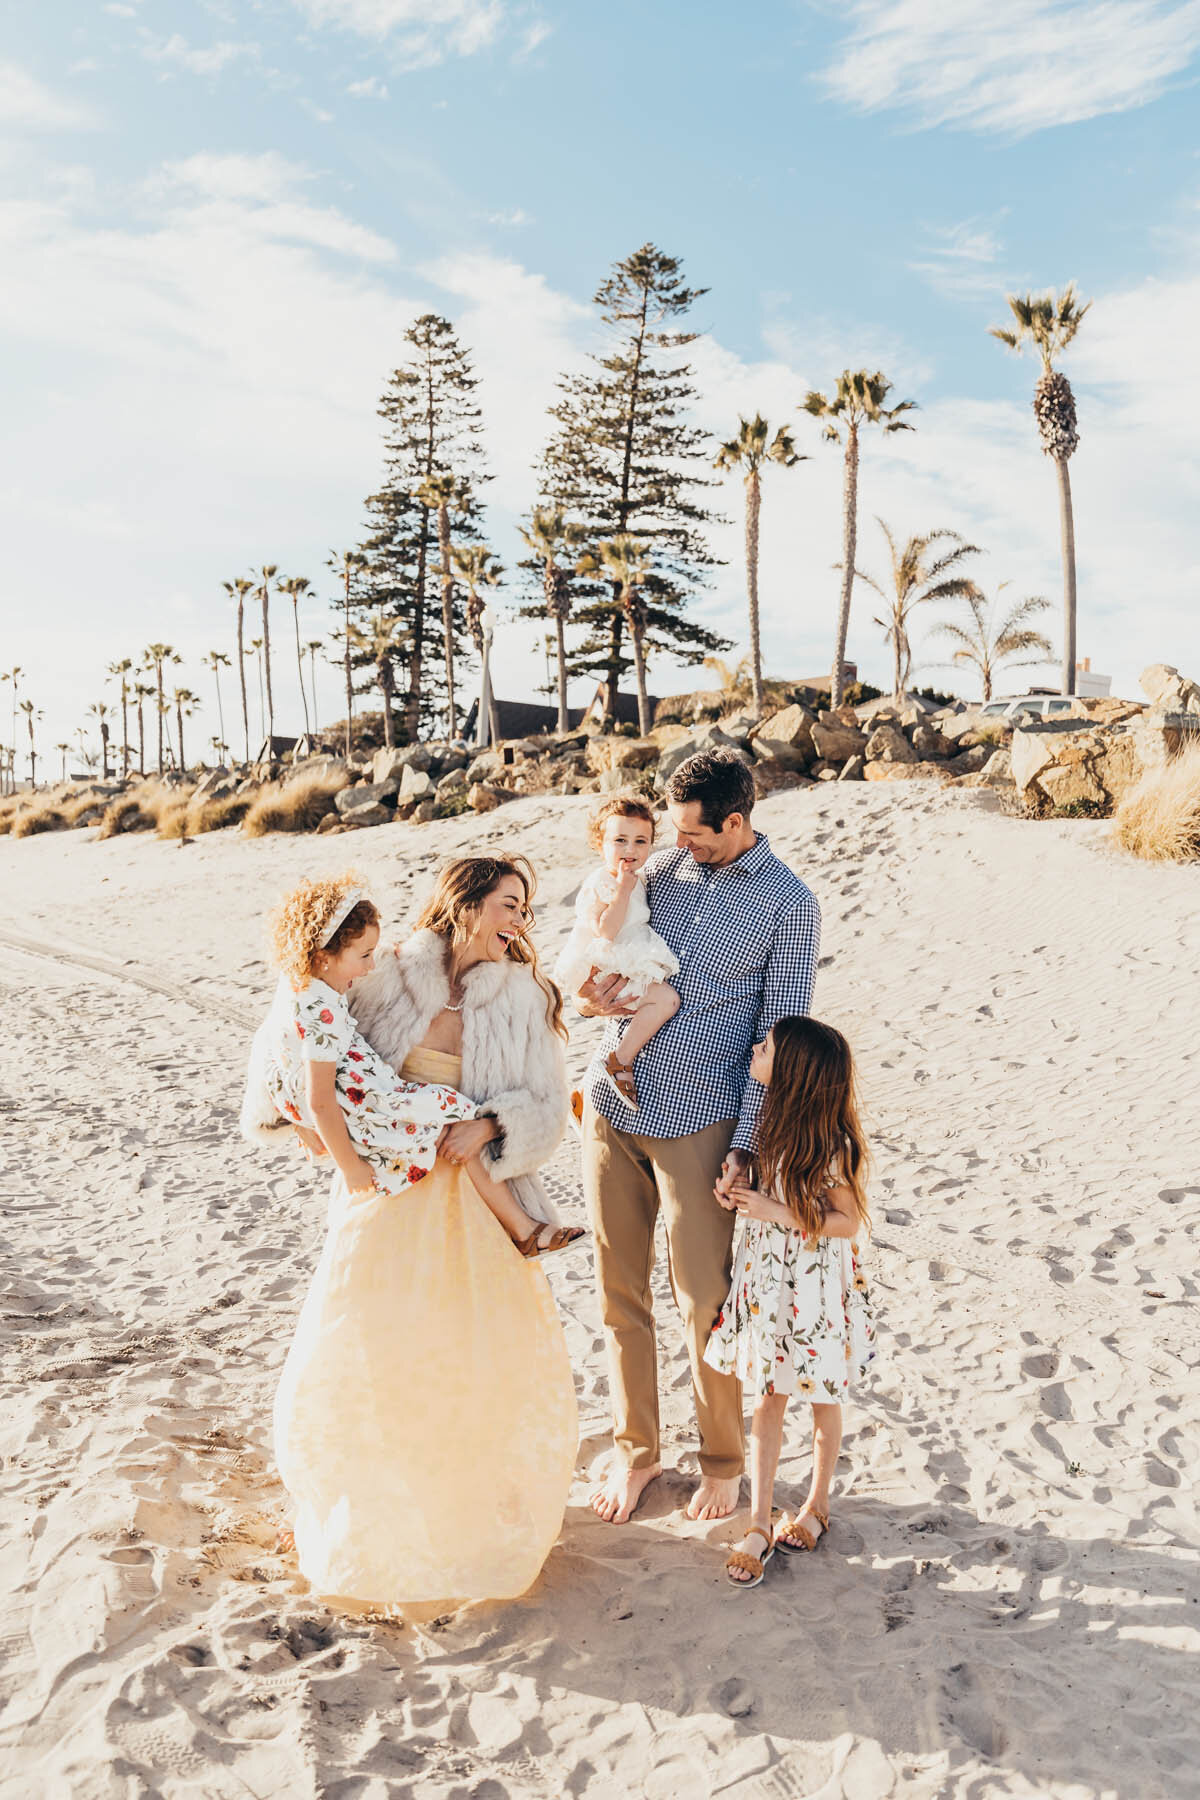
{"type": "Point", "coordinates": [393, 1124]}
{"type": "Point", "coordinates": [798, 1316]}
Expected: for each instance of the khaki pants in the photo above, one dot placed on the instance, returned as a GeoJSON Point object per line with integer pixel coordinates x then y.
{"type": "Point", "coordinates": [626, 1180]}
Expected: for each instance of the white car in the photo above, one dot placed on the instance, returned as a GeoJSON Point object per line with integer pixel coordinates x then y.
{"type": "Point", "coordinates": [1028, 706]}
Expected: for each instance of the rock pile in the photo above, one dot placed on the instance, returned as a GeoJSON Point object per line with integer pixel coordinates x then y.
{"type": "Point", "coordinates": [1088, 763]}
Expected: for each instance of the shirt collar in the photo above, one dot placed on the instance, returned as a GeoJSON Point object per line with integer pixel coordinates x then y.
{"type": "Point", "coordinates": [750, 862]}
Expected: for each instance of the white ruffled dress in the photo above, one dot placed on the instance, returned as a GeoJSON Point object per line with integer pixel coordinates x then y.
{"type": "Point", "coordinates": [637, 952]}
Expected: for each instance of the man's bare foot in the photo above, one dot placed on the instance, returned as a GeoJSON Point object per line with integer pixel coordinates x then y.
{"type": "Point", "coordinates": [715, 1498]}
{"type": "Point", "coordinates": [618, 1499]}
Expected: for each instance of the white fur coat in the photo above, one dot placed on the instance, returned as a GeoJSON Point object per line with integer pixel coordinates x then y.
{"type": "Point", "coordinates": [512, 1062]}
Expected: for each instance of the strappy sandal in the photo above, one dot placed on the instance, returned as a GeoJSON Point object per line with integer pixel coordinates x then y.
{"type": "Point", "coordinates": [564, 1238]}
{"type": "Point", "coordinates": [754, 1566]}
{"type": "Point", "coordinates": [620, 1079]}
{"type": "Point", "coordinates": [789, 1527]}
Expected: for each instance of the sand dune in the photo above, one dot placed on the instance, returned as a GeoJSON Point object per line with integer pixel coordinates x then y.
{"type": "Point", "coordinates": [1008, 1601]}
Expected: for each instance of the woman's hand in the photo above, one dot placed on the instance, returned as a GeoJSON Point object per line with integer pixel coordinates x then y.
{"type": "Point", "coordinates": [604, 997]}
{"type": "Point", "coordinates": [359, 1177]}
{"type": "Point", "coordinates": [462, 1142]}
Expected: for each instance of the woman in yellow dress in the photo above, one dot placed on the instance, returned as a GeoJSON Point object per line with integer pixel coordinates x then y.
{"type": "Point", "coordinates": [425, 1422]}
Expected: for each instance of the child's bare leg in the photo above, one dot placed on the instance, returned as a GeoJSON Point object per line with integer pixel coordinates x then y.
{"type": "Point", "coordinates": [657, 1005]}
{"type": "Point", "coordinates": [827, 1444]}
{"type": "Point", "coordinates": [766, 1439]}
{"type": "Point", "coordinates": [498, 1197]}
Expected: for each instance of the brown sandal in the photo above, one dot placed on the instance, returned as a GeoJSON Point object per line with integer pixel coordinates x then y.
{"type": "Point", "coordinates": [620, 1078]}
{"type": "Point", "coordinates": [753, 1565]}
{"type": "Point", "coordinates": [789, 1527]}
{"type": "Point", "coordinates": [564, 1237]}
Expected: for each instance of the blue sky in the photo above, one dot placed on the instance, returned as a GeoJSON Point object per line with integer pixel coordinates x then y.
{"type": "Point", "coordinates": [218, 218]}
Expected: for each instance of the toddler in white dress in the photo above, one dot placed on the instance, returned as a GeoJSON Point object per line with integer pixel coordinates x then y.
{"type": "Point", "coordinates": [612, 934]}
{"type": "Point", "coordinates": [341, 1097]}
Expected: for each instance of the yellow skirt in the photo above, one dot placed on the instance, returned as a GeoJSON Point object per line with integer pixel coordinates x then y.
{"type": "Point", "coordinates": [425, 1422]}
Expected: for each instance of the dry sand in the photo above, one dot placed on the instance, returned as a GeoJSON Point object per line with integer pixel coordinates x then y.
{"type": "Point", "coordinates": [1008, 1599]}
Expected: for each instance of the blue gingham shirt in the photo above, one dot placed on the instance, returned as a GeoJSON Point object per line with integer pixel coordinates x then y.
{"type": "Point", "coordinates": [747, 935]}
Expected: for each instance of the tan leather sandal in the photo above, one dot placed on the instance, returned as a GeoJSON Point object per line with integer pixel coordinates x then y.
{"type": "Point", "coordinates": [792, 1528]}
{"type": "Point", "coordinates": [620, 1078]}
{"type": "Point", "coordinates": [752, 1565]}
{"type": "Point", "coordinates": [563, 1239]}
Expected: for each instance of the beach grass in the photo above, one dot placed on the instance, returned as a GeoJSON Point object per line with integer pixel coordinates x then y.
{"type": "Point", "coordinates": [298, 804]}
{"type": "Point", "coordinates": [1159, 819]}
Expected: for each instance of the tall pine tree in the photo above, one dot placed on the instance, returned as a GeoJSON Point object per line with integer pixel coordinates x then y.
{"type": "Point", "coordinates": [432, 427]}
{"type": "Point", "coordinates": [626, 461]}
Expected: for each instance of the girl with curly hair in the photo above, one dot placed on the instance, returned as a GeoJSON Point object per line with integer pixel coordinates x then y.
{"type": "Point", "coordinates": [797, 1319]}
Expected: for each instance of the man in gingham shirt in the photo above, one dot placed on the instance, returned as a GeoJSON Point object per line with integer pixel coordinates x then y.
{"type": "Point", "coordinates": [746, 932]}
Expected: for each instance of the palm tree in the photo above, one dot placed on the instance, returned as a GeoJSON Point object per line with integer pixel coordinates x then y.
{"type": "Point", "coordinates": [351, 565]}
{"type": "Point", "coordinates": [551, 534]}
{"type": "Point", "coordinates": [30, 715]}
{"type": "Point", "coordinates": [380, 642]}
{"type": "Point", "coordinates": [1049, 323]}
{"type": "Point", "coordinates": [62, 749]}
{"type": "Point", "coordinates": [916, 578]}
{"type": "Point", "coordinates": [986, 641]}
{"type": "Point", "coordinates": [735, 680]}
{"type": "Point", "coordinates": [312, 646]}
{"type": "Point", "coordinates": [141, 693]}
{"type": "Point", "coordinates": [749, 450]}
{"type": "Point", "coordinates": [216, 660]}
{"type": "Point", "coordinates": [255, 650]}
{"type": "Point", "coordinates": [295, 587]}
{"type": "Point", "coordinates": [477, 566]}
{"type": "Point", "coordinates": [266, 576]}
{"type": "Point", "coordinates": [14, 675]}
{"type": "Point", "coordinates": [99, 712]}
{"type": "Point", "coordinates": [119, 671]}
{"type": "Point", "coordinates": [439, 493]}
{"type": "Point", "coordinates": [238, 590]}
{"type": "Point", "coordinates": [185, 704]}
{"type": "Point", "coordinates": [623, 561]}
{"type": "Point", "coordinates": [155, 656]}
{"type": "Point", "coordinates": [858, 400]}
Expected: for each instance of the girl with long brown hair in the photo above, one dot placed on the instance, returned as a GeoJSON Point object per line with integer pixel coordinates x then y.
{"type": "Point", "coordinates": [797, 1319]}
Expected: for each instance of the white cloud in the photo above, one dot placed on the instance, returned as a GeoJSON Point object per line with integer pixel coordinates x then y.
{"type": "Point", "coordinates": [370, 89]}
{"type": "Point", "coordinates": [962, 260]}
{"type": "Point", "coordinates": [27, 105]}
{"type": "Point", "coordinates": [420, 33]}
{"type": "Point", "coordinates": [176, 52]}
{"type": "Point", "coordinates": [514, 216]}
{"type": "Point", "coordinates": [1036, 63]}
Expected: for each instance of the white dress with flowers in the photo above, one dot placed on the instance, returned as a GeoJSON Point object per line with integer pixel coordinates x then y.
{"type": "Point", "coordinates": [393, 1124]}
{"type": "Point", "coordinates": [798, 1317]}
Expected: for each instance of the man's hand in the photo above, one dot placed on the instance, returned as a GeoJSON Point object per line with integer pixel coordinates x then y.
{"type": "Point", "coordinates": [735, 1171]}
{"type": "Point", "coordinates": [604, 997]}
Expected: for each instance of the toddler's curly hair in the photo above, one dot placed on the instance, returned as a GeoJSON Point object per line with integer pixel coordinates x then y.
{"type": "Point", "coordinates": [628, 805]}
{"type": "Point", "coordinates": [301, 919]}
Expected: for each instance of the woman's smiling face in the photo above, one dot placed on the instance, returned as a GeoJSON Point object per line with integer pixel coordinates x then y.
{"type": "Point", "coordinates": [503, 916]}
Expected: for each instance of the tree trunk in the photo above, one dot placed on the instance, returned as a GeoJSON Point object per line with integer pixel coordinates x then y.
{"type": "Point", "coordinates": [612, 680]}
{"type": "Point", "coordinates": [124, 730]}
{"type": "Point", "coordinates": [897, 659]}
{"type": "Point", "coordinates": [349, 674]}
{"type": "Point", "coordinates": [242, 675]}
{"type": "Point", "coordinates": [220, 710]}
{"type": "Point", "coordinates": [312, 675]}
{"type": "Point", "coordinates": [141, 740]}
{"type": "Point", "coordinates": [636, 633]}
{"type": "Point", "coordinates": [266, 656]}
{"type": "Point", "coordinates": [161, 708]}
{"type": "Point", "coordinates": [1066, 517]}
{"type": "Point", "coordinates": [753, 505]}
{"type": "Point", "coordinates": [416, 664]}
{"type": "Point", "coordinates": [386, 683]}
{"type": "Point", "coordinates": [447, 574]}
{"type": "Point", "coordinates": [103, 751]}
{"type": "Point", "coordinates": [849, 547]}
{"type": "Point", "coordinates": [564, 717]}
{"type": "Point", "coordinates": [179, 724]}
{"type": "Point", "coordinates": [300, 667]}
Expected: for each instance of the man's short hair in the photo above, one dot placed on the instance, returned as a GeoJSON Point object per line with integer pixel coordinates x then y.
{"type": "Point", "coordinates": [719, 780]}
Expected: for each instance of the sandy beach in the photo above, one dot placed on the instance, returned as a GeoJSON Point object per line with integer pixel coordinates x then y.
{"type": "Point", "coordinates": [1005, 1606]}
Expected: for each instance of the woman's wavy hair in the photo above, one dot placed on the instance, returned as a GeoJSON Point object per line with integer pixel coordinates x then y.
{"type": "Point", "coordinates": [810, 1136]}
{"type": "Point", "coordinates": [452, 908]}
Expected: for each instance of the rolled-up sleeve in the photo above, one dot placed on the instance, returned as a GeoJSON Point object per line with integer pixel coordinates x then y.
{"type": "Point", "coordinates": [787, 992]}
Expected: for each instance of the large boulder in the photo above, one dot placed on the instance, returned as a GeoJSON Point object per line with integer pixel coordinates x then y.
{"type": "Point", "coordinates": [485, 767]}
{"type": "Point", "coordinates": [353, 800]}
{"type": "Point", "coordinates": [710, 738]}
{"type": "Point", "coordinates": [852, 769]}
{"type": "Point", "coordinates": [484, 799]}
{"type": "Point", "coordinates": [451, 783]}
{"type": "Point", "coordinates": [1168, 689]}
{"type": "Point", "coordinates": [929, 743]}
{"type": "Point", "coordinates": [1064, 762]}
{"type": "Point", "coordinates": [902, 771]}
{"type": "Point", "coordinates": [375, 814]}
{"type": "Point", "coordinates": [834, 741]}
{"type": "Point", "coordinates": [621, 753]}
{"type": "Point", "coordinates": [785, 737]}
{"type": "Point", "coordinates": [415, 784]}
{"type": "Point", "coordinates": [389, 765]}
{"type": "Point", "coordinates": [969, 762]}
{"type": "Point", "coordinates": [887, 743]}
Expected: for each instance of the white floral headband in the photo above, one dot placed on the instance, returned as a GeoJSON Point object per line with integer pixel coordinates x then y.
{"type": "Point", "coordinates": [348, 903]}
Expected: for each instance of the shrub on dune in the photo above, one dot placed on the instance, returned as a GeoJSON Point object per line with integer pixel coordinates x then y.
{"type": "Point", "coordinates": [296, 805]}
{"type": "Point", "coordinates": [41, 816]}
{"type": "Point", "coordinates": [1159, 819]}
{"type": "Point", "coordinates": [138, 810]}
{"type": "Point", "coordinates": [215, 815]}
